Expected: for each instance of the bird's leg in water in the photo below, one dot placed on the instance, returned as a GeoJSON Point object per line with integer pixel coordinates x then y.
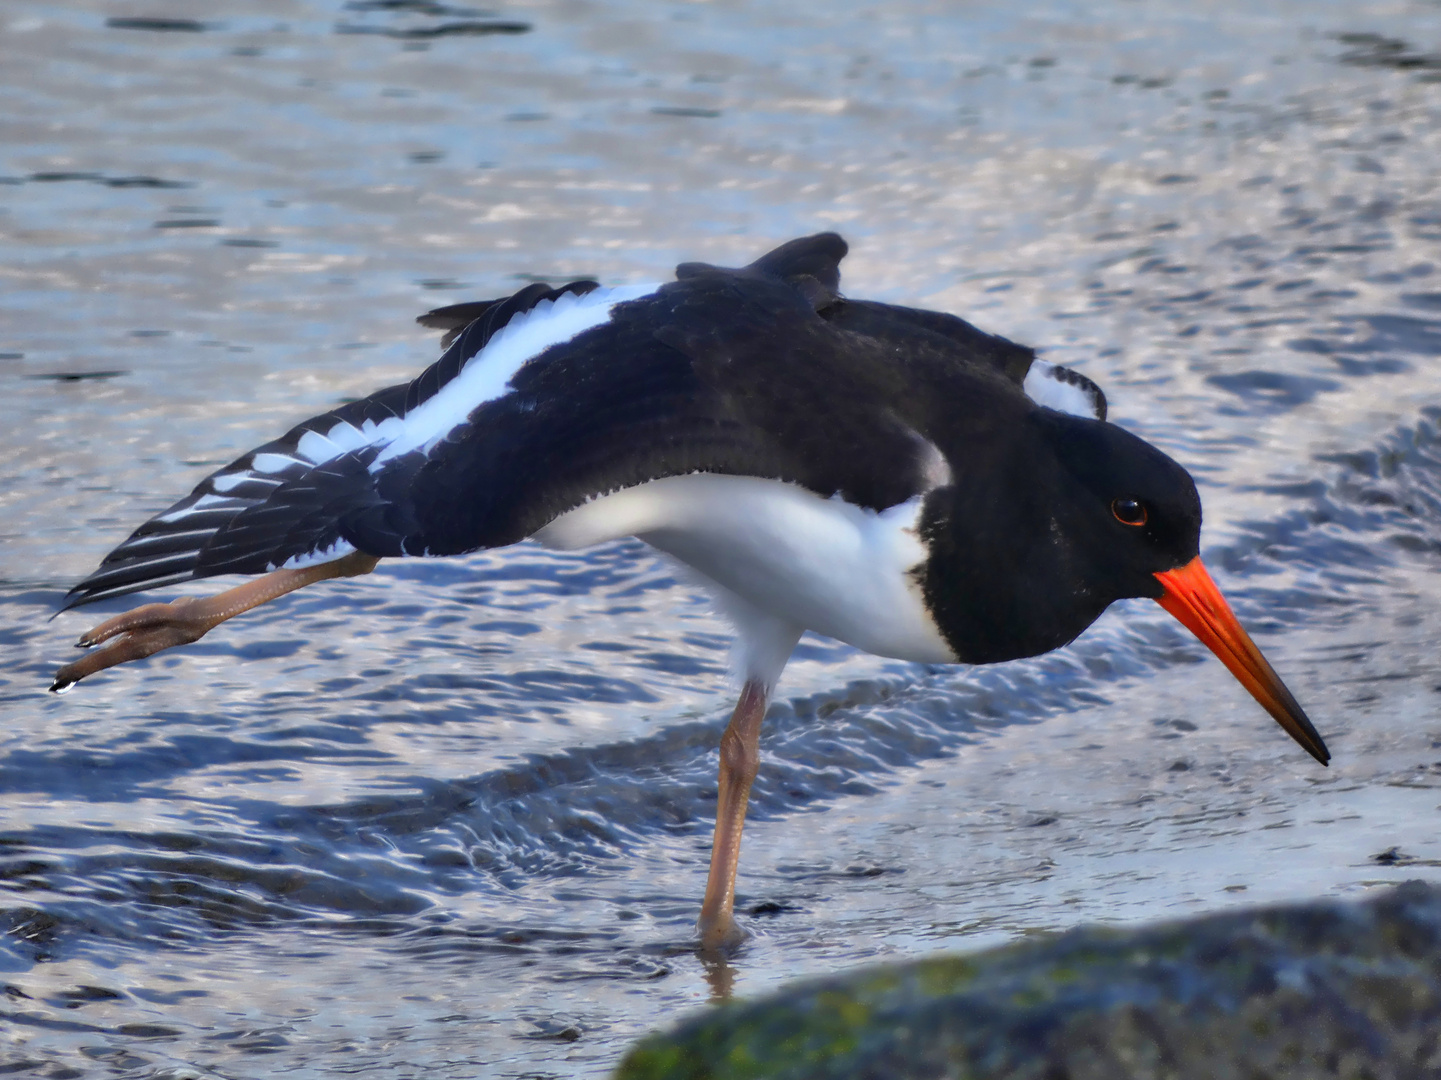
{"type": "Point", "coordinates": [739, 760]}
{"type": "Point", "coordinates": [144, 631]}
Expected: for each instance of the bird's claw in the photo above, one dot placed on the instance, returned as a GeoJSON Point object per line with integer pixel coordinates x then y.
{"type": "Point", "coordinates": [134, 635]}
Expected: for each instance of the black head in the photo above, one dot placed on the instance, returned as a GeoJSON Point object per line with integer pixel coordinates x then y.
{"type": "Point", "coordinates": [1072, 514]}
{"type": "Point", "coordinates": [1126, 510]}
{"type": "Point", "coordinates": [1051, 520]}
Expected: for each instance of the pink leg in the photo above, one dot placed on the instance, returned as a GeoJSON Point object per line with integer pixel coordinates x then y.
{"type": "Point", "coordinates": [145, 630]}
{"type": "Point", "coordinates": [739, 760]}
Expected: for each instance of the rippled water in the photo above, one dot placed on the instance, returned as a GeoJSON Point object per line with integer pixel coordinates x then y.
{"type": "Point", "coordinates": [452, 819]}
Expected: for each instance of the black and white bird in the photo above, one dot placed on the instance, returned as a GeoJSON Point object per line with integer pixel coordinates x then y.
{"type": "Point", "coordinates": [891, 477]}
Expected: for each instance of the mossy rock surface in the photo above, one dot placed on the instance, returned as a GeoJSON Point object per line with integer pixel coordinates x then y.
{"type": "Point", "coordinates": [1310, 990]}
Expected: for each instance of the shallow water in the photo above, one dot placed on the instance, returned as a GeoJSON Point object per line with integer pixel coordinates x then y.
{"type": "Point", "coordinates": [452, 819]}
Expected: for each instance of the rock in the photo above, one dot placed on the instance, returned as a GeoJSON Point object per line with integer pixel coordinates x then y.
{"type": "Point", "coordinates": [1309, 990]}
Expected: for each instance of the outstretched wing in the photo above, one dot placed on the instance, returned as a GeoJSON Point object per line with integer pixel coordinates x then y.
{"type": "Point", "coordinates": [550, 398]}
{"type": "Point", "coordinates": [285, 503]}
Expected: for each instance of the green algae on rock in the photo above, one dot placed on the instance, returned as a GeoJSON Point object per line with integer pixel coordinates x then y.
{"type": "Point", "coordinates": [1296, 992]}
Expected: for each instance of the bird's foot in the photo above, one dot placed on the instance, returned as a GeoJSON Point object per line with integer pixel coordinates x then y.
{"type": "Point", "coordinates": [141, 632]}
{"type": "Point", "coordinates": [721, 936]}
{"type": "Point", "coordinates": [146, 630]}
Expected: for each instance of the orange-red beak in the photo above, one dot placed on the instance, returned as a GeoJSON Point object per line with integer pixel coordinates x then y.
{"type": "Point", "coordinates": [1192, 597]}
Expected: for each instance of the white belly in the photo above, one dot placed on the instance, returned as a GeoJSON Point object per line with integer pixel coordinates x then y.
{"type": "Point", "coordinates": [822, 564]}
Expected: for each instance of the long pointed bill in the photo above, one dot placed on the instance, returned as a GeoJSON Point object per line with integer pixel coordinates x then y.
{"type": "Point", "coordinates": [1193, 598]}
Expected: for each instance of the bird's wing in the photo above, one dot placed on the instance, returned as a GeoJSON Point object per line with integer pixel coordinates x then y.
{"type": "Point", "coordinates": [284, 503]}
{"type": "Point", "coordinates": [550, 398]}
{"type": "Point", "coordinates": [1045, 383]}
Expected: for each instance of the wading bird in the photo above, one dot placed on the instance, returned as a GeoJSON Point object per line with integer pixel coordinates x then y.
{"type": "Point", "coordinates": [890, 477]}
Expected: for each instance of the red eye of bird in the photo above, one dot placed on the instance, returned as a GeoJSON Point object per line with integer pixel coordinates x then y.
{"type": "Point", "coordinates": [1129, 511]}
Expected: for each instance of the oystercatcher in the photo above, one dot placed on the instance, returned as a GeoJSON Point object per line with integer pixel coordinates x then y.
{"type": "Point", "coordinates": [891, 477]}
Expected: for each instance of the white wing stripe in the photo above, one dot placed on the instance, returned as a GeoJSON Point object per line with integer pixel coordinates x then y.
{"type": "Point", "coordinates": [274, 463]}
{"type": "Point", "coordinates": [231, 481]}
{"type": "Point", "coordinates": [187, 557]}
{"type": "Point", "coordinates": [165, 538]}
{"type": "Point", "coordinates": [487, 374]}
{"type": "Point", "coordinates": [337, 550]}
{"type": "Point", "coordinates": [484, 377]}
{"type": "Point", "coordinates": [205, 502]}
{"type": "Point", "coordinates": [341, 439]}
